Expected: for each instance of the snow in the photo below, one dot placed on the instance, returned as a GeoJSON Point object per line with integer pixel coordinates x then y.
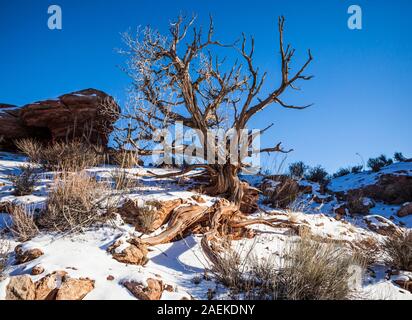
{"type": "Point", "coordinates": [366, 178]}
{"type": "Point", "coordinates": [182, 262]}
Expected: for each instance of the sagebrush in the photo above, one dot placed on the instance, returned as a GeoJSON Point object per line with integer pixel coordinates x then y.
{"type": "Point", "coordinates": [308, 270]}
{"type": "Point", "coordinates": [122, 180]}
{"type": "Point", "coordinates": [398, 250]}
{"type": "Point", "coordinates": [73, 155]}
{"type": "Point", "coordinates": [317, 174]}
{"type": "Point", "coordinates": [378, 163]}
{"type": "Point", "coordinates": [75, 201]}
{"type": "Point", "coordinates": [24, 225]}
{"type": "Point", "coordinates": [25, 181]}
{"type": "Point", "coordinates": [4, 255]}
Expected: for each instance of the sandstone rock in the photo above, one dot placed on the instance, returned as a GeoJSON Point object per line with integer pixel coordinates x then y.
{"type": "Point", "coordinates": [23, 256]}
{"type": "Point", "coordinates": [341, 210]}
{"type": "Point", "coordinates": [48, 286]}
{"type": "Point", "coordinates": [391, 189]}
{"type": "Point", "coordinates": [132, 254]}
{"type": "Point", "coordinates": [55, 286]}
{"type": "Point", "coordinates": [70, 115]}
{"type": "Point", "coordinates": [405, 284]}
{"type": "Point", "coordinates": [153, 290]}
{"type": "Point", "coordinates": [74, 289]}
{"type": "Point", "coordinates": [358, 203]}
{"type": "Point", "coordinates": [198, 198]}
{"type": "Point", "coordinates": [12, 128]}
{"type": "Point", "coordinates": [403, 279]}
{"type": "Point", "coordinates": [169, 288]}
{"type": "Point", "coordinates": [36, 270]}
{"type": "Point", "coordinates": [405, 210]}
{"type": "Point", "coordinates": [381, 225]}
{"type": "Point", "coordinates": [20, 288]}
{"type": "Point", "coordinates": [131, 212]}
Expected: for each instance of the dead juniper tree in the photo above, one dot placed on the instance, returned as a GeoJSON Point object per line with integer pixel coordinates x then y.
{"type": "Point", "coordinates": [178, 78]}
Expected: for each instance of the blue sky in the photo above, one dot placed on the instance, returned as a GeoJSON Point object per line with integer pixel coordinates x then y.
{"type": "Point", "coordinates": [360, 90]}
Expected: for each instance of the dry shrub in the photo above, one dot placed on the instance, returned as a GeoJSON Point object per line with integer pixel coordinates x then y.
{"type": "Point", "coordinates": [309, 270]}
{"type": "Point", "coordinates": [23, 226]}
{"type": "Point", "coordinates": [313, 270]}
{"type": "Point", "coordinates": [398, 249]}
{"type": "Point", "coordinates": [66, 156]}
{"type": "Point", "coordinates": [31, 148]}
{"type": "Point", "coordinates": [71, 156]}
{"type": "Point", "coordinates": [25, 181]}
{"type": "Point", "coordinates": [280, 191]}
{"type": "Point", "coordinates": [122, 180]}
{"type": "Point", "coordinates": [4, 255]}
{"type": "Point", "coordinates": [317, 174]}
{"type": "Point", "coordinates": [228, 271]}
{"type": "Point", "coordinates": [126, 159]}
{"type": "Point", "coordinates": [76, 201]}
{"type": "Point", "coordinates": [146, 216]}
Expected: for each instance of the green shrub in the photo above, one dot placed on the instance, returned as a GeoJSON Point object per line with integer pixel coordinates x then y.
{"type": "Point", "coordinates": [25, 181]}
{"type": "Point", "coordinates": [399, 157]}
{"type": "Point", "coordinates": [378, 163]}
{"type": "Point", "coordinates": [342, 172]}
{"type": "Point", "coordinates": [297, 170]}
{"type": "Point", "coordinates": [317, 174]}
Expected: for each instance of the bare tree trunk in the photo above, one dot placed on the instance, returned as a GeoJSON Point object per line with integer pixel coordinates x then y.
{"type": "Point", "coordinates": [224, 180]}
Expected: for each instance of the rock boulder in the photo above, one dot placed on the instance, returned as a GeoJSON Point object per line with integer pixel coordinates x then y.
{"type": "Point", "coordinates": [87, 112]}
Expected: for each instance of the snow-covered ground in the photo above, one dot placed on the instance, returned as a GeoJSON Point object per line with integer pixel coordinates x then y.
{"type": "Point", "coordinates": [366, 178]}
{"type": "Point", "coordinates": [180, 264]}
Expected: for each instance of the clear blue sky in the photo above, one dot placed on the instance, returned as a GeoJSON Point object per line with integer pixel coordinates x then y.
{"type": "Point", "coordinates": [362, 79]}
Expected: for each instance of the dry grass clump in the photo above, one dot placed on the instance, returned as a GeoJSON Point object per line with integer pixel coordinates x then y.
{"type": "Point", "coordinates": [313, 270]}
{"type": "Point", "coordinates": [309, 270]}
{"type": "Point", "coordinates": [25, 181]}
{"type": "Point", "coordinates": [126, 159]}
{"type": "Point", "coordinates": [398, 249]}
{"type": "Point", "coordinates": [4, 255]}
{"type": "Point", "coordinates": [31, 148]}
{"type": "Point", "coordinates": [146, 216]}
{"type": "Point", "coordinates": [76, 201]}
{"type": "Point", "coordinates": [122, 180]}
{"type": "Point", "coordinates": [228, 271]}
{"type": "Point", "coordinates": [23, 226]}
{"type": "Point", "coordinates": [65, 156]}
{"type": "Point", "coordinates": [280, 192]}
{"type": "Point", "coordinates": [70, 156]}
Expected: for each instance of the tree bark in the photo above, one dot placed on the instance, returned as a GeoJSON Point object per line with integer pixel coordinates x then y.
{"type": "Point", "coordinates": [224, 181]}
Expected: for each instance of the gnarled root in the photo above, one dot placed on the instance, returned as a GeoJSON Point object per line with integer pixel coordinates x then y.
{"type": "Point", "coordinates": [220, 223]}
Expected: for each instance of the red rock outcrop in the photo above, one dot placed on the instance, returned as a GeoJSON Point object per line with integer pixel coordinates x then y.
{"type": "Point", "coordinates": [405, 210]}
{"type": "Point", "coordinates": [87, 112]}
{"type": "Point", "coordinates": [55, 286]}
{"type": "Point", "coordinates": [392, 189]}
{"type": "Point", "coordinates": [23, 256]}
{"type": "Point", "coordinates": [153, 290]}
